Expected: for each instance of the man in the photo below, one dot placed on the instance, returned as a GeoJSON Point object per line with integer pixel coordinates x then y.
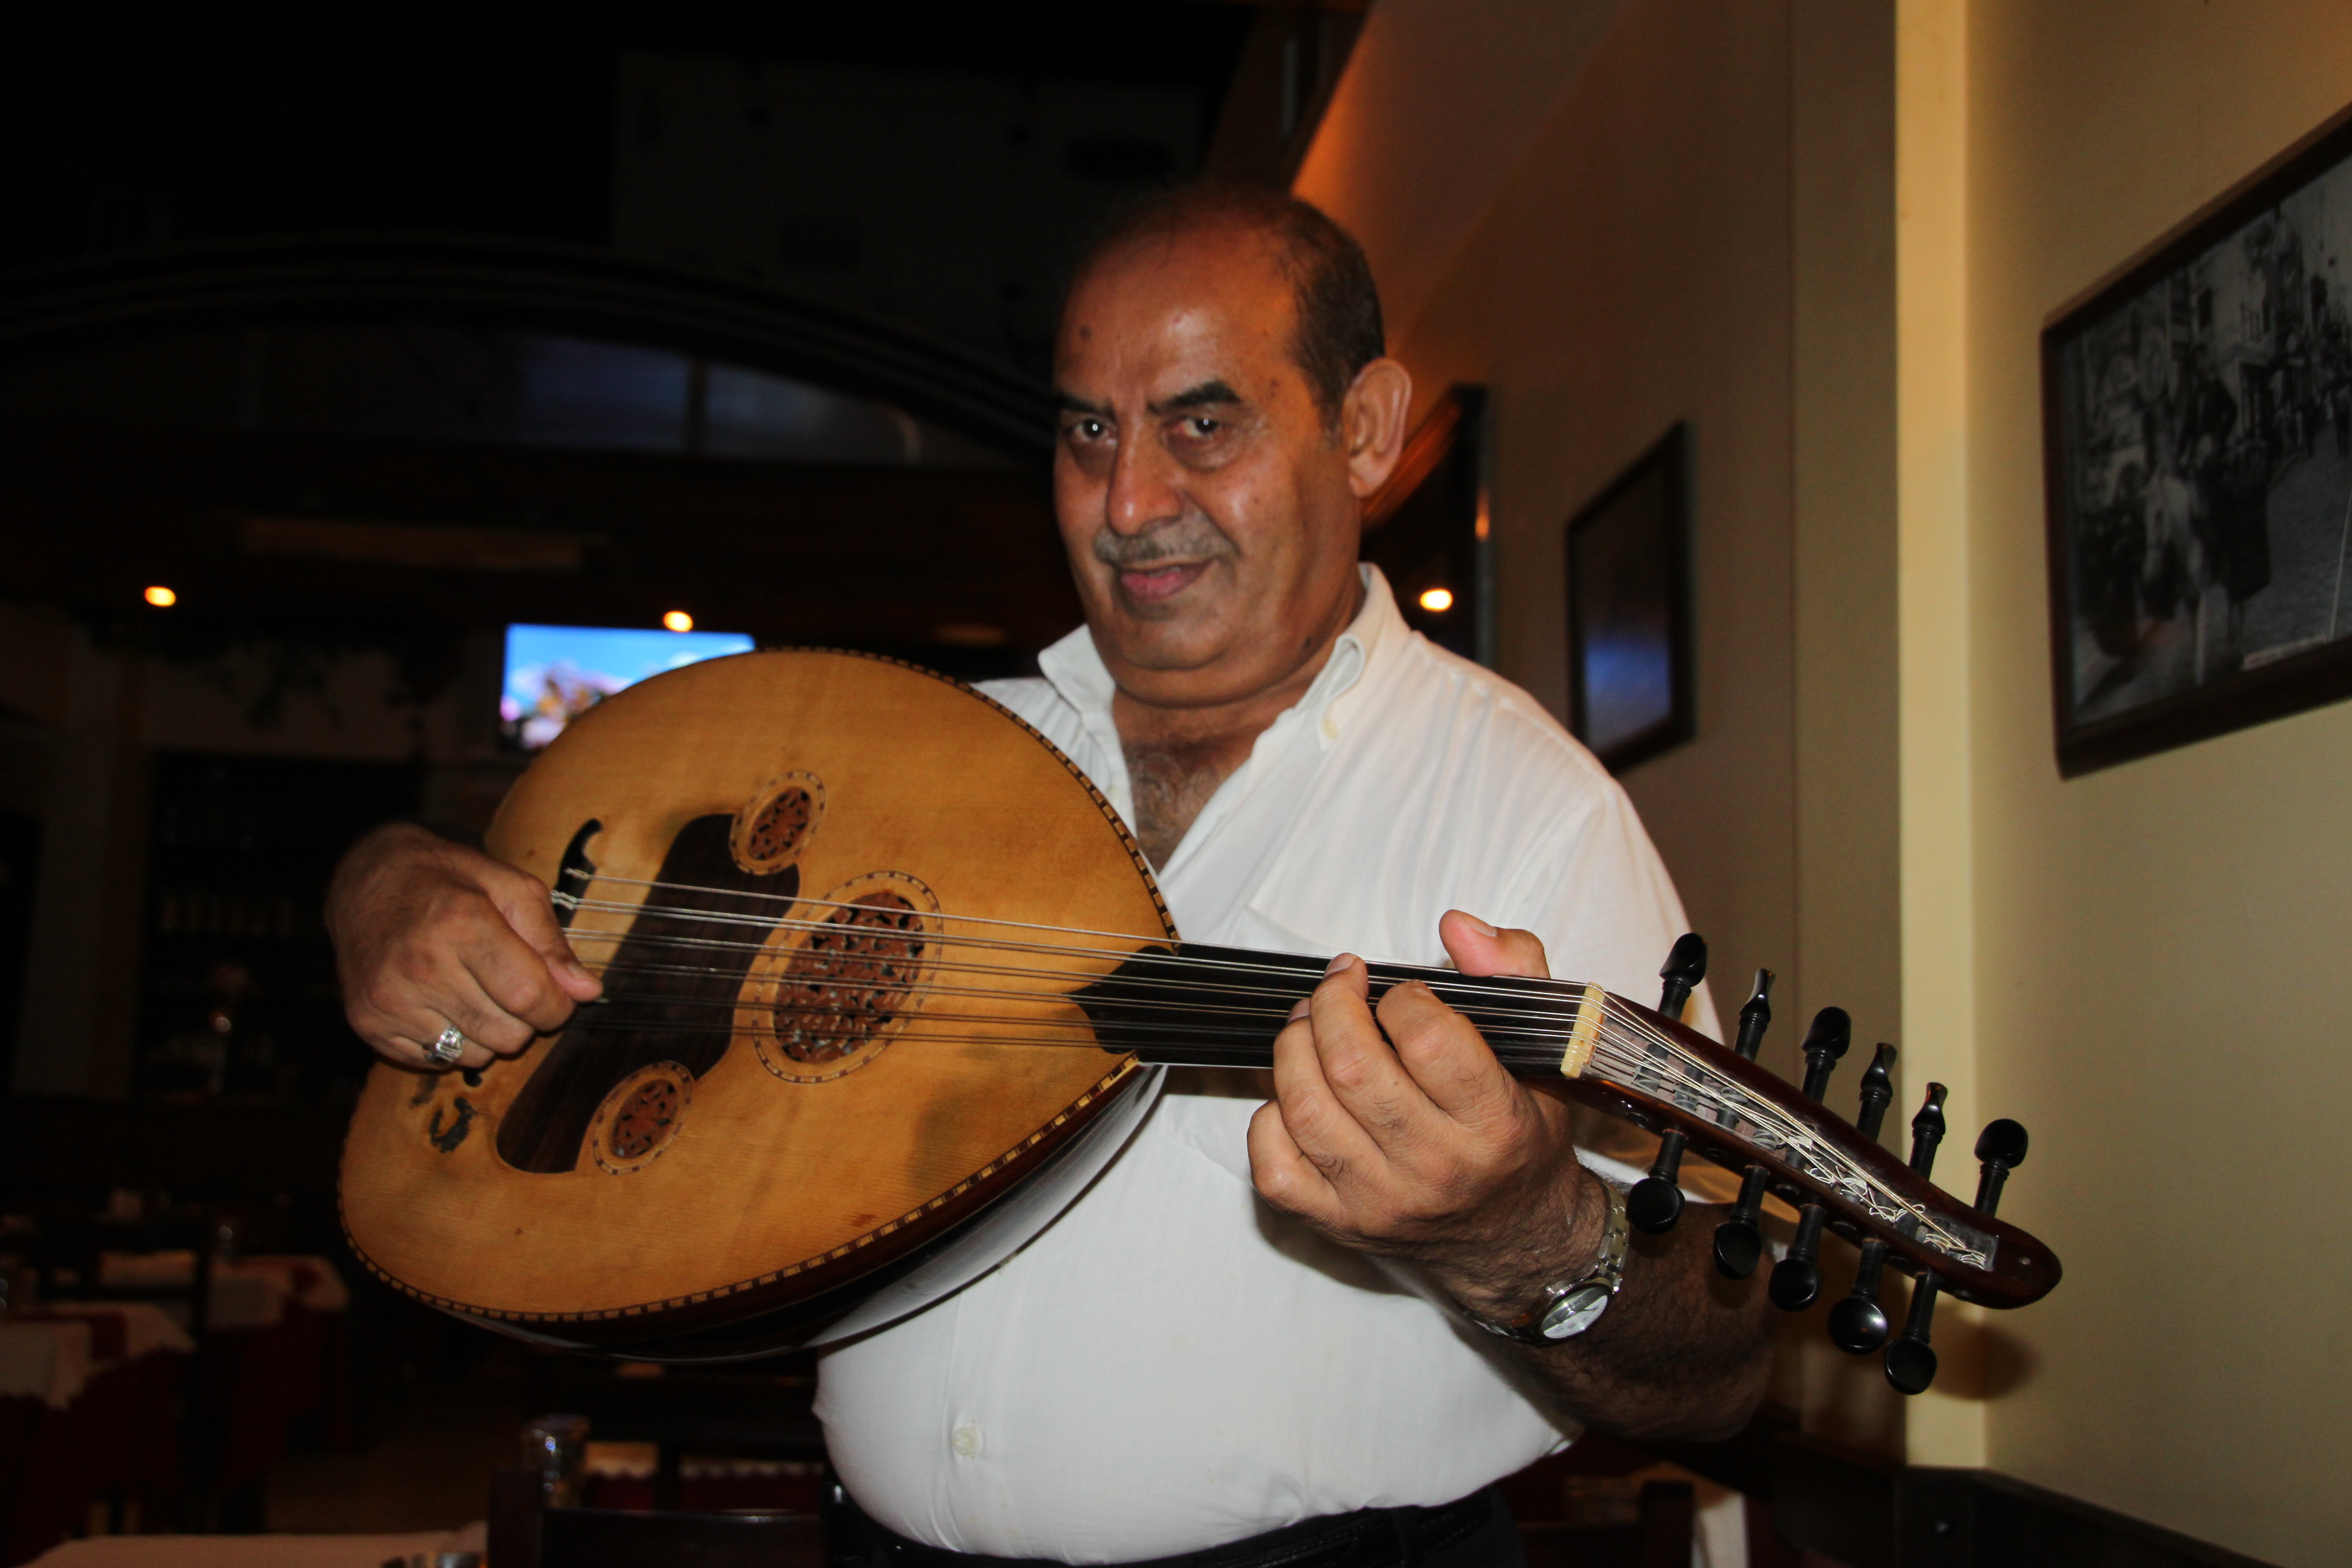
{"type": "Point", "coordinates": [1259, 1319]}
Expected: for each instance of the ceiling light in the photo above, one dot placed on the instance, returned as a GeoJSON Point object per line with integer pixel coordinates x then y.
{"type": "Point", "coordinates": [1437, 601]}
{"type": "Point", "coordinates": [163, 598]}
{"type": "Point", "coordinates": [677, 621]}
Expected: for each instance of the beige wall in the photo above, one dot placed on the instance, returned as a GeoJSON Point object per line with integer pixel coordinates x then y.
{"type": "Point", "coordinates": [2160, 949]}
{"type": "Point", "coordinates": [1828, 232]}
{"type": "Point", "coordinates": [1635, 270]}
{"type": "Point", "coordinates": [1701, 227]}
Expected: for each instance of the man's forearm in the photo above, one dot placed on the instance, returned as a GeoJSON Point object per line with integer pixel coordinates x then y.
{"type": "Point", "coordinates": [1681, 1351]}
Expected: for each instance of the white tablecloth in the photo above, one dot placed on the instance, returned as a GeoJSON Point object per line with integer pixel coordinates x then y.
{"type": "Point", "coordinates": [254, 1551]}
{"type": "Point", "coordinates": [45, 1361]}
{"type": "Point", "coordinates": [146, 1327]}
{"type": "Point", "coordinates": [250, 1293]}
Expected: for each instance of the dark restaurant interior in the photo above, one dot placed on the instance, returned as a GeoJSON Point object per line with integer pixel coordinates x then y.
{"type": "Point", "coordinates": [334, 344]}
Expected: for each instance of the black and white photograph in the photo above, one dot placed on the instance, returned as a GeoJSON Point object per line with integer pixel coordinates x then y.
{"type": "Point", "coordinates": [2200, 446]}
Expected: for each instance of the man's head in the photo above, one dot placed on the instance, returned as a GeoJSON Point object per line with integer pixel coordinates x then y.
{"type": "Point", "coordinates": [1225, 410]}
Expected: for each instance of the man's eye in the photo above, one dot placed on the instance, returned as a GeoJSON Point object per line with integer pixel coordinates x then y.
{"type": "Point", "coordinates": [1203, 427]}
{"type": "Point", "coordinates": [1090, 429]}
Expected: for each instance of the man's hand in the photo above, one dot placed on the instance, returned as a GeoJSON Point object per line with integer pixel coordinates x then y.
{"type": "Point", "coordinates": [1429, 1150]}
{"type": "Point", "coordinates": [429, 934]}
{"type": "Point", "coordinates": [1402, 1135]}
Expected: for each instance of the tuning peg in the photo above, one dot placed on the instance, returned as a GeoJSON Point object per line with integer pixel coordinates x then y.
{"type": "Point", "coordinates": [1878, 1092]}
{"type": "Point", "coordinates": [1858, 1324]}
{"type": "Point", "coordinates": [1910, 1363]}
{"type": "Point", "coordinates": [1756, 1016]}
{"type": "Point", "coordinates": [1928, 1130]}
{"type": "Point", "coordinates": [1825, 1042]}
{"type": "Point", "coordinates": [1797, 1278]}
{"type": "Point", "coordinates": [2002, 1147]}
{"type": "Point", "coordinates": [1656, 1200]}
{"type": "Point", "coordinates": [1684, 967]}
{"type": "Point", "coordinates": [1740, 1240]}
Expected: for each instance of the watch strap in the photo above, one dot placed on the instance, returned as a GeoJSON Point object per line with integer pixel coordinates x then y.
{"type": "Point", "coordinates": [1566, 1308]}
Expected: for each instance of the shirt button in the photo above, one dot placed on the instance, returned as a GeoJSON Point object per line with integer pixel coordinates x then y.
{"type": "Point", "coordinates": [966, 1442]}
{"type": "Point", "coordinates": [1330, 728]}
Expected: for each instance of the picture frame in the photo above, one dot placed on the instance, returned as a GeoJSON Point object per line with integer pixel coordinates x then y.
{"type": "Point", "coordinates": [1631, 683]}
{"type": "Point", "coordinates": [2197, 420]}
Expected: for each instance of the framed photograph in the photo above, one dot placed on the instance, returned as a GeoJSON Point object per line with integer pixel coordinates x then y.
{"type": "Point", "coordinates": [2197, 414]}
{"type": "Point", "coordinates": [1629, 646]}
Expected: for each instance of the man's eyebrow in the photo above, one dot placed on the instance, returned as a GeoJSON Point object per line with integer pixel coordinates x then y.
{"type": "Point", "coordinates": [1208, 395]}
{"type": "Point", "coordinates": [1068, 401]}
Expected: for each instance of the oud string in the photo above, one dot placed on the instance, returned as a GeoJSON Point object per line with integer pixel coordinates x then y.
{"type": "Point", "coordinates": [1629, 1051]}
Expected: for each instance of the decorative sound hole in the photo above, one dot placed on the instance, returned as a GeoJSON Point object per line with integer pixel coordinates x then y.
{"type": "Point", "coordinates": [773, 828]}
{"type": "Point", "coordinates": [776, 831]}
{"type": "Point", "coordinates": [643, 1120]}
{"type": "Point", "coordinates": [849, 981]}
{"type": "Point", "coordinates": [641, 1117]}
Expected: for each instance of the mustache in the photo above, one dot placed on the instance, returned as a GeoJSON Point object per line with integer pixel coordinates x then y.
{"type": "Point", "coordinates": [1185, 539]}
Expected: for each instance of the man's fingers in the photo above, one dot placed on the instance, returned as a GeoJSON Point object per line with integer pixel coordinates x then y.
{"type": "Point", "coordinates": [523, 900]}
{"type": "Point", "coordinates": [1448, 1059]}
{"type": "Point", "coordinates": [1322, 1128]}
{"type": "Point", "coordinates": [481, 1019]}
{"type": "Point", "coordinates": [458, 1001]}
{"type": "Point", "coordinates": [1477, 948]}
{"type": "Point", "coordinates": [513, 974]}
{"type": "Point", "coordinates": [1363, 1075]}
{"type": "Point", "coordinates": [406, 1052]}
{"type": "Point", "coordinates": [1284, 1176]}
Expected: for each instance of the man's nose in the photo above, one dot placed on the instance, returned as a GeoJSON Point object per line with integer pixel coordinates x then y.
{"type": "Point", "coordinates": [1143, 492]}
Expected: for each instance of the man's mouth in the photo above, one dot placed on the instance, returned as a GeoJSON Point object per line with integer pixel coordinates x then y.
{"type": "Point", "coordinates": [1162, 581]}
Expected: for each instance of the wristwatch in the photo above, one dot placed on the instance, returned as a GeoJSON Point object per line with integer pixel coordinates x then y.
{"type": "Point", "coordinates": [1569, 1307]}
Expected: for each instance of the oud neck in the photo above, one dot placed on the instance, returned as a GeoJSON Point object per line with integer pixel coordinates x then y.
{"type": "Point", "coordinates": [1197, 1005]}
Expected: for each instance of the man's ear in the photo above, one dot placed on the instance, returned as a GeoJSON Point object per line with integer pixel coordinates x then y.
{"type": "Point", "coordinates": [1371, 422]}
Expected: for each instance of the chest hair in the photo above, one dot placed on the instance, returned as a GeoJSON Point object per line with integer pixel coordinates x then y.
{"type": "Point", "coordinates": [1171, 780]}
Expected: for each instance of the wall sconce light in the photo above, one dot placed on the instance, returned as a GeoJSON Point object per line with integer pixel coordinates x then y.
{"type": "Point", "coordinates": [1437, 601]}
{"type": "Point", "coordinates": [677, 621]}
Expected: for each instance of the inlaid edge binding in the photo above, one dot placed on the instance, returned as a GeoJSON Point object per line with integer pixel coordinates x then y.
{"type": "Point", "coordinates": [1585, 1035]}
{"type": "Point", "coordinates": [1126, 1068]}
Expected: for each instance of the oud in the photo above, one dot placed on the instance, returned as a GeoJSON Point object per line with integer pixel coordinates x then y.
{"type": "Point", "coordinates": [886, 983]}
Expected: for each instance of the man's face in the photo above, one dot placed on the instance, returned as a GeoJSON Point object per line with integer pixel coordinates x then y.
{"type": "Point", "coordinates": [1211, 517]}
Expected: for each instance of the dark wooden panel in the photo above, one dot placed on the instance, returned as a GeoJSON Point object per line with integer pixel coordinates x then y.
{"type": "Point", "coordinates": [197, 1152]}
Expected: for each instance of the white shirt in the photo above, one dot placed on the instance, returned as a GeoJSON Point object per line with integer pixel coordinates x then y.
{"type": "Point", "coordinates": [1173, 1364]}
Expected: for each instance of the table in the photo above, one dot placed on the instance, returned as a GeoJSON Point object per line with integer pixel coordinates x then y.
{"type": "Point", "coordinates": [254, 1551]}
{"type": "Point", "coordinates": [90, 1390]}
{"type": "Point", "coordinates": [88, 1395]}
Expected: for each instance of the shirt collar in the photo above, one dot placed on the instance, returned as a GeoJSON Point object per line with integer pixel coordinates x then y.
{"type": "Point", "coordinates": [1075, 669]}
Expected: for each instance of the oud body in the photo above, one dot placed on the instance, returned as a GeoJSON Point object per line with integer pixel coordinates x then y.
{"type": "Point", "coordinates": [677, 1178]}
{"type": "Point", "coordinates": [885, 983]}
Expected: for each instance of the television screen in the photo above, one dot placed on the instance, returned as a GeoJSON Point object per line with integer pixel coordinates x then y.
{"type": "Point", "coordinates": [554, 674]}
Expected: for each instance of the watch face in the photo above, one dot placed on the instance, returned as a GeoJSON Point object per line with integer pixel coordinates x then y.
{"type": "Point", "coordinates": [1574, 1313]}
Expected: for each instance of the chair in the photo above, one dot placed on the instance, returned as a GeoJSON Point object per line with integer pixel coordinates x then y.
{"type": "Point", "coordinates": [729, 1414]}
{"type": "Point", "coordinates": [1588, 1507]}
{"type": "Point", "coordinates": [69, 1265]}
{"type": "Point", "coordinates": [525, 1532]}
